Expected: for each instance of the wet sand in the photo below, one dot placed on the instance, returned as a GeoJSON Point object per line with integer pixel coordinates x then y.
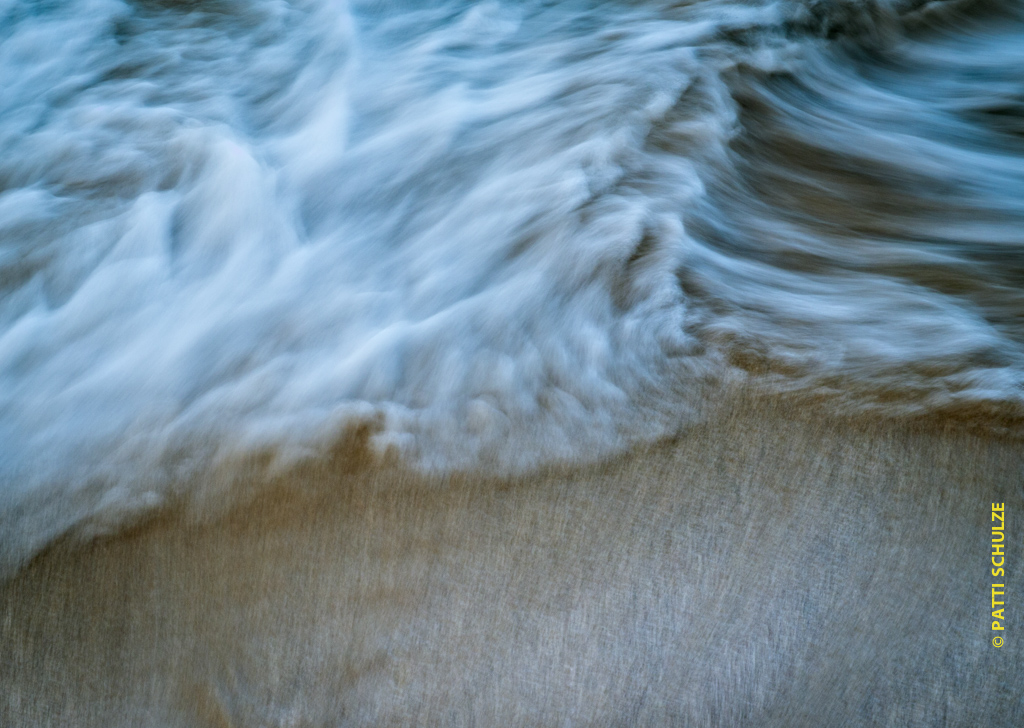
{"type": "Point", "coordinates": [775, 566]}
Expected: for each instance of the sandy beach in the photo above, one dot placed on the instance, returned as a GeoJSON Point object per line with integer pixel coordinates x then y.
{"type": "Point", "coordinates": [775, 566]}
{"type": "Point", "coordinates": [504, 363]}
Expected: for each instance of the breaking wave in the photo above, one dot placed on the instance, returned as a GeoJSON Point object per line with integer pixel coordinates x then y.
{"type": "Point", "coordinates": [483, 235]}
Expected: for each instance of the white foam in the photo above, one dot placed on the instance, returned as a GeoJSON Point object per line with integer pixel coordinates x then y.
{"type": "Point", "coordinates": [240, 228]}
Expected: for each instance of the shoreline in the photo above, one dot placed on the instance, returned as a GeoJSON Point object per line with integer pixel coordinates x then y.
{"type": "Point", "coordinates": [774, 565]}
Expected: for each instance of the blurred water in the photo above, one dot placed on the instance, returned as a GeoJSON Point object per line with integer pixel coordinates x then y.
{"type": "Point", "coordinates": [491, 234]}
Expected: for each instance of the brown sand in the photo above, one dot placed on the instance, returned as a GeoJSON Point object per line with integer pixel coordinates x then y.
{"type": "Point", "coordinates": [772, 567]}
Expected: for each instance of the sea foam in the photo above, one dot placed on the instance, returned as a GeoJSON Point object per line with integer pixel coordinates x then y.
{"type": "Point", "coordinates": [484, 235]}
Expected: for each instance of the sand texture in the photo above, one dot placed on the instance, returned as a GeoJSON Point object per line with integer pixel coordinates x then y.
{"type": "Point", "coordinates": [773, 566]}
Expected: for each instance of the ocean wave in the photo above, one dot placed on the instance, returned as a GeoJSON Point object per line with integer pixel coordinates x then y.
{"type": "Point", "coordinates": [482, 235]}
